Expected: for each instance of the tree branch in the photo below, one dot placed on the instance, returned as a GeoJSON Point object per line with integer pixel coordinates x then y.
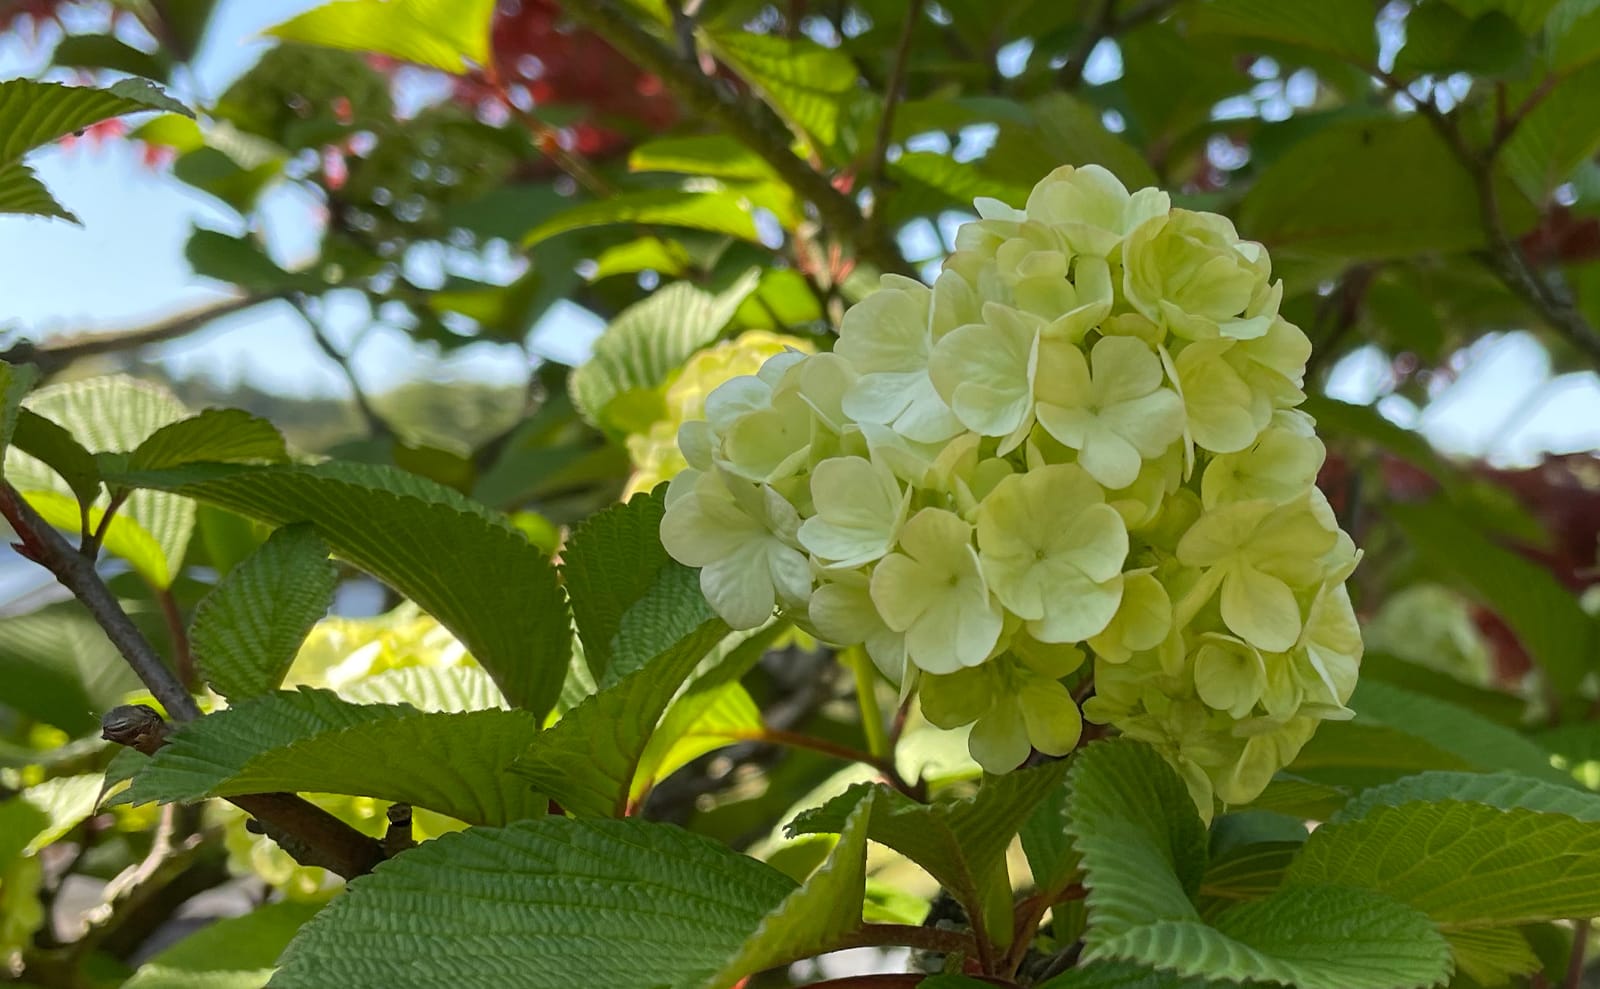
{"type": "Point", "coordinates": [1505, 255]}
{"type": "Point", "coordinates": [1103, 24]}
{"type": "Point", "coordinates": [54, 355]}
{"type": "Point", "coordinates": [42, 544]}
{"type": "Point", "coordinates": [892, 95]}
{"type": "Point", "coordinates": [310, 835]}
{"type": "Point", "coordinates": [750, 121]}
{"type": "Point", "coordinates": [307, 832]}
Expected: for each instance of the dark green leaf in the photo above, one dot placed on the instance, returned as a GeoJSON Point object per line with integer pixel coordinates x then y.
{"type": "Point", "coordinates": [232, 953]}
{"type": "Point", "coordinates": [1342, 28]}
{"type": "Point", "coordinates": [547, 904]}
{"type": "Point", "coordinates": [21, 192]}
{"type": "Point", "coordinates": [215, 435]}
{"type": "Point", "coordinates": [312, 741]}
{"type": "Point", "coordinates": [722, 212]}
{"type": "Point", "coordinates": [246, 632]}
{"type": "Point", "coordinates": [611, 561]}
{"type": "Point", "coordinates": [35, 113]}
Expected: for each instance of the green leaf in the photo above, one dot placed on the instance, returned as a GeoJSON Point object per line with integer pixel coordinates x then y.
{"type": "Point", "coordinates": [1559, 134]}
{"type": "Point", "coordinates": [442, 34]}
{"type": "Point", "coordinates": [49, 443]}
{"type": "Point", "coordinates": [1547, 619]}
{"type": "Point", "coordinates": [611, 561]}
{"type": "Point", "coordinates": [34, 113]}
{"type": "Point", "coordinates": [1123, 975]}
{"type": "Point", "coordinates": [587, 760]}
{"type": "Point", "coordinates": [16, 380]}
{"type": "Point", "coordinates": [722, 212]}
{"type": "Point", "coordinates": [105, 415]}
{"type": "Point", "coordinates": [1144, 856]}
{"type": "Point", "coordinates": [1475, 742]}
{"type": "Point", "coordinates": [806, 83]}
{"type": "Point", "coordinates": [312, 741]}
{"type": "Point", "coordinates": [1464, 864]}
{"type": "Point", "coordinates": [105, 51]}
{"type": "Point", "coordinates": [246, 632]}
{"type": "Point", "coordinates": [650, 340]}
{"type": "Point", "coordinates": [232, 953]}
{"type": "Point", "coordinates": [428, 688]}
{"type": "Point", "coordinates": [716, 155]}
{"type": "Point", "coordinates": [927, 182]}
{"type": "Point", "coordinates": [817, 917]}
{"type": "Point", "coordinates": [1572, 34]}
{"type": "Point", "coordinates": [21, 192]}
{"type": "Point", "coordinates": [215, 435]}
{"type": "Point", "coordinates": [1442, 40]}
{"type": "Point", "coordinates": [1344, 29]}
{"type": "Point", "coordinates": [961, 843]}
{"type": "Point", "coordinates": [1248, 873]}
{"type": "Point", "coordinates": [1491, 956]}
{"type": "Point", "coordinates": [1527, 15]}
{"type": "Point", "coordinates": [547, 904]}
{"type": "Point", "coordinates": [1507, 791]}
{"type": "Point", "coordinates": [58, 666]}
{"type": "Point", "coordinates": [244, 262]}
{"type": "Point", "coordinates": [56, 806]}
{"type": "Point", "coordinates": [1371, 189]}
{"type": "Point", "coordinates": [665, 257]}
{"type": "Point", "coordinates": [1047, 844]}
{"type": "Point", "coordinates": [458, 560]}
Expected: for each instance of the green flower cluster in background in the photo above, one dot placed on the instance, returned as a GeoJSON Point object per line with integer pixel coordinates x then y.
{"type": "Point", "coordinates": [1080, 442]}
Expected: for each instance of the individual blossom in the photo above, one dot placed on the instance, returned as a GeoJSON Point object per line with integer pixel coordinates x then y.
{"type": "Point", "coordinates": [1258, 553]}
{"type": "Point", "coordinates": [1091, 208]}
{"type": "Point", "coordinates": [1191, 273]}
{"type": "Point", "coordinates": [842, 612]}
{"type": "Point", "coordinates": [859, 508]}
{"type": "Point", "coordinates": [1112, 408]}
{"type": "Point", "coordinates": [744, 539]}
{"type": "Point", "coordinates": [1015, 704]}
{"type": "Point", "coordinates": [1052, 550]}
{"type": "Point", "coordinates": [1218, 414]}
{"type": "Point", "coordinates": [934, 591]}
{"type": "Point", "coordinates": [888, 338]}
{"type": "Point", "coordinates": [1281, 464]}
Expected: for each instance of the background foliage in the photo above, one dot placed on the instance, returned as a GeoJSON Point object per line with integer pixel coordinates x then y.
{"type": "Point", "coordinates": [1423, 173]}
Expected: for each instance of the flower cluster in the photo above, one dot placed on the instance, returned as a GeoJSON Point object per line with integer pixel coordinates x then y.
{"type": "Point", "coordinates": [1080, 442]}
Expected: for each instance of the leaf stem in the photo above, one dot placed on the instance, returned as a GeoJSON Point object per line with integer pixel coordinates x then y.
{"type": "Point", "coordinates": [796, 740]}
{"type": "Point", "coordinates": [182, 656]}
{"type": "Point", "coordinates": [944, 942]}
{"type": "Point", "coordinates": [866, 683]}
{"type": "Point", "coordinates": [1580, 945]}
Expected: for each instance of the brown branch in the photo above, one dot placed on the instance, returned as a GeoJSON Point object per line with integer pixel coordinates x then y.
{"type": "Point", "coordinates": [795, 740]}
{"type": "Point", "coordinates": [54, 355]}
{"type": "Point", "coordinates": [892, 96]}
{"type": "Point", "coordinates": [42, 544]}
{"type": "Point", "coordinates": [311, 835]}
{"type": "Point", "coordinates": [750, 121]}
{"type": "Point", "coordinates": [181, 654]}
{"type": "Point", "coordinates": [1580, 944]}
{"type": "Point", "coordinates": [1504, 256]}
{"type": "Point", "coordinates": [1103, 24]}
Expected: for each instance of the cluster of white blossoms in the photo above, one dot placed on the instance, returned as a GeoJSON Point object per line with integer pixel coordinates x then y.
{"type": "Point", "coordinates": [1080, 442]}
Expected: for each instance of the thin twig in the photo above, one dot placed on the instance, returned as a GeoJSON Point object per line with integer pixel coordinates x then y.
{"type": "Point", "coordinates": [750, 121]}
{"type": "Point", "coordinates": [58, 353]}
{"type": "Point", "coordinates": [796, 740]}
{"type": "Point", "coordinates": [893, 95]}
{"type": "Point", "coordinates": [1505, 256]}
{"type": "Point", "coordinates": [377, 426]}
{"type": "Point", "coordinates": [90, 545]}
{"type": "Point", "coordinates": [46, 547]}
{"type": "Point", "coordinates": [1580, 945]}
{"type": "Point", "coordinates": [182, 657]}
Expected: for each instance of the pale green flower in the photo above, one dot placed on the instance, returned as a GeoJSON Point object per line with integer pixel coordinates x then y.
{"type": "Point", "coordinates": [1281, 464]}
{"type": "Point", "coordinates": [985, 372]}
{"type": "Point", "coordinates": [1259, 553]}
{"type": "Point", "coordinates": [934, 591]}
{"type": "Point", "coordinates": [1052, 550]}
{"type": "Point", "coordinates": [1331, 643]}
{"type": "Point", "coordinates": [1190, 272]}
{"type": "Point", "coordinates": [843, 613]}
{"type": "Point", "coordinates": [1274, 366]}
{"type": "Point", "coordinates": [1091, 208]}
{"type": "Point", "coordinates": [1117, 415]}
{"type": "Point", "coordinates": [859, 508]}
{"type": "Point", "coordinates": [1260, 758]}
{"type": "Point", "coordinates": [1229, 674]}
{"type": "Point", "coordinates": [743, 537]}
{"type": "Point", "coordinates": [887, 337]}
{"type": "Point", "coordinates": [1217, 404]}
{"type": "Point", "coordinates": [1143, 619]}
{"type": "Point", "coordinates": [1012, 708]}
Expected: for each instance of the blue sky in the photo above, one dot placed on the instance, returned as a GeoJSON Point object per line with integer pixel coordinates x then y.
{"type": "Point", "coordinates": [125, 266]}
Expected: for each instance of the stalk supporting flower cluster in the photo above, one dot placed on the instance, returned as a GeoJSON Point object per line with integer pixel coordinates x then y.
{"type": "Point", "coordinates": [1080, 442]}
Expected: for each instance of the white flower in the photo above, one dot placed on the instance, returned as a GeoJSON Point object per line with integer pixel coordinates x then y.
{"type": "Point", "coordinates": [859, 507]}
{"type": "Point", "coordinates": [1117, 415]}
{"type": "Point", "coordinates": [888, 337]}
{"type": "Point", "coordinates": [934, 592]}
